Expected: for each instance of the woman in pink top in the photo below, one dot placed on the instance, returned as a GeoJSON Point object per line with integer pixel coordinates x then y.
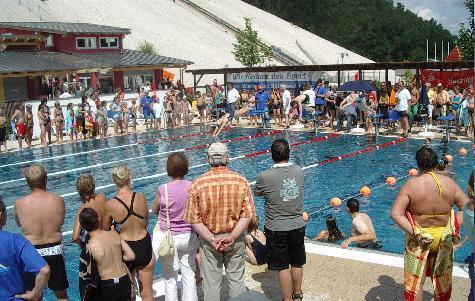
{"type": "Point", "coordinates": [184, 239]}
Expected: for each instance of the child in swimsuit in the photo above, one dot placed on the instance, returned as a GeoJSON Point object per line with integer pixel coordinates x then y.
{"type": "Point", "coordinates": [101, 117]}
{"type": "Point", "coordinates": [29, 125]}
{"type": "Point", "coordinates": [133, 115]}
{"type": "Point", "coordinates": [71, 122]}
{"type": "Point", "coordinates": [256, 249]}
{"type": "Point", "coordinates": [58, 121]}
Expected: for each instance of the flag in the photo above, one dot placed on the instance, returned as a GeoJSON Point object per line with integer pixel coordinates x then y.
{"type": "Point", "coordinates": [94, 81]}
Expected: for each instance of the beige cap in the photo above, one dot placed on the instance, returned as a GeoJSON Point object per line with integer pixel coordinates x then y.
{"type": "Point", "coordinates": [439, 85]}
{"type": "Point", "coordinates": [217, 149]}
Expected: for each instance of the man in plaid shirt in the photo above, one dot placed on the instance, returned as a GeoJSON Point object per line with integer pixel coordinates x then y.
{"type": "Point", "coordinates": [220, 207]}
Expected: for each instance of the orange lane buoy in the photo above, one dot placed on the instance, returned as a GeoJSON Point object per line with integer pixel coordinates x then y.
{"type": "Point", "coordinates": [335, 202]}
{"type": "Point", "coordinates": [365, 191]}
{"type": "Point", "coordinates": [463, 151]}
{"type": "Point", "coordinates": [305, 216]}
{"type": "Point", "coordinates": [413, 172]}
{"type": "Point", "coordinates": [449, 158]}
{"type": "Point", "coordinates": [391, 181]}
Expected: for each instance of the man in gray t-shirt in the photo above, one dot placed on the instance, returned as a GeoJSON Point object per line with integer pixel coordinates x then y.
{"type": "Point", "coordinates": [282, 188]}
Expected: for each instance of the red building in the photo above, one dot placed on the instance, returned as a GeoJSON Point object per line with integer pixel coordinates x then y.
{"type": "Point", "coordinates": [33, 51]}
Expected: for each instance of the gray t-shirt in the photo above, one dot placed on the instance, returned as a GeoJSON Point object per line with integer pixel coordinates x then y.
{"type": "Point", "coordinates": [282, 188]}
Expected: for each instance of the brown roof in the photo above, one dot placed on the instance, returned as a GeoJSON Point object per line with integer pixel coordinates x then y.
{"type": "Point", "coordinates": [65, 27]}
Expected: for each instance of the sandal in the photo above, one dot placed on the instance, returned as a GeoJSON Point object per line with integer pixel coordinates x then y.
{"type": "Point", "coordinates": [297, 296]}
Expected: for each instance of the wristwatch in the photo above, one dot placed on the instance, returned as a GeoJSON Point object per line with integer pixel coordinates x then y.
{"type": "Point", "coordinates": [212, 238]}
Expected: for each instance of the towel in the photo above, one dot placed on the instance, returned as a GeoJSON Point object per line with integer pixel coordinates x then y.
{"type": "Point", "coordinates": [439, 267]}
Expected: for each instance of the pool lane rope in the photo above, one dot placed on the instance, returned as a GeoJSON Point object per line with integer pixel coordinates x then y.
{"type": "Point", "coordinates": [326, 207]}
{"type": "Point", "coordinates": [182, 136]}
{"type": "Point", "coordinates": [205, 164]}
{"type": "Point", "coordinates": [62, 172]}
{"type": "Point", "coordinates": [110, 148]}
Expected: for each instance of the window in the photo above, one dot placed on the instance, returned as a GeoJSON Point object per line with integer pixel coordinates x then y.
{"type": "Point", "coordinates": [85, 43]}
{"type": "Point", "coordinates": [49, 41]}
{"type": "Point", "coordinates": [109, 42]}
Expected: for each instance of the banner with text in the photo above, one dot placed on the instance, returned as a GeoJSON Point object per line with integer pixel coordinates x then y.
{"type": "Point", "coordinates": [271, 80]}
{"type": "Point", "coordinates": [448, 78]}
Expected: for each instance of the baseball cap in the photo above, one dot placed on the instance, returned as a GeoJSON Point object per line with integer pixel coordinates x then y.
{"type": "Point", "coordinates": [439, 85]}
{"type": "Point", "coordinates": [217, 149]}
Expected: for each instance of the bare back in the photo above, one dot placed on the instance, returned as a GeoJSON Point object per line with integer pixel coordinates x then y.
{"type": "Point", "coordinates": [106, 249]}
{"type": "Point", "coordinates": [133, 228]}
{"type": "Point", "coordinates": [429, 207]}
{"type": "Point", "coordinates": [361, 224]}
{"type": "Point", "coordinates": [40, 215]}
{"type": "Point", "coordinates": [98, 203]}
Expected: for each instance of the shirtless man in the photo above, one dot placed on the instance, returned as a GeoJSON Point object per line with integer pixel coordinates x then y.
{"type": "Point", "coordinates": [41, 215]}
{"type": "Point", "coordinates": [441, 98]}
{"type": "Point", "coordinates": [19, 120]}
{"type": "Point", "coordinates": [109, 252]}
{"type": "Point", "coordinates": [415, 95]}
{"type": "Point", "coordinates": [428, 201]}
{"type": "Point", "coordinates": [362, 230]}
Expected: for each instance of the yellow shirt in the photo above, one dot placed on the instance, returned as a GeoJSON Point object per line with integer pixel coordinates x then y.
{"type": "Point", "coordinates": [430, 95]}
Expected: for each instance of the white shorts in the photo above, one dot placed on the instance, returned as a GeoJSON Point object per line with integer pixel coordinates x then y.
{"type": "Point", "coordinates": [430, 108]}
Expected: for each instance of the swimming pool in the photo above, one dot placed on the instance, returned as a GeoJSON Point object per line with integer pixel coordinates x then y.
{"type": "Point", "coordinates": [146, 155]}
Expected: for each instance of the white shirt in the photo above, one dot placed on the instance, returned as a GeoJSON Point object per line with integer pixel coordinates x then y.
{"type": "Point", "coordinates": [311, 95]}
{"type": "Point", "coordinates": [147, 88]}
{"type": "Point", "coordinates": [92, 108]}
{"type": "Point", "coordinates": [65, 95]}
{"type": "Point", "coordinates": [403, 97]}
{"type": "Point", "coordinates": [233, 95]}
{"type": "Point", "coordinates": [286, 99]}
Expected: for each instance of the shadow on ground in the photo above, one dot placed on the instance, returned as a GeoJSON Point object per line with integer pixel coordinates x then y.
{"type": "Point", "coordinates": [389, 289]}
{"type": "Point", "coordinates": [269, 282]}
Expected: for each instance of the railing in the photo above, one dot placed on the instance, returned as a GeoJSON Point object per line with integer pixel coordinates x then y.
{"type": "Point", "coordinates": [36, 9]}
{"type": "Point", "coordinates": [278, 53]}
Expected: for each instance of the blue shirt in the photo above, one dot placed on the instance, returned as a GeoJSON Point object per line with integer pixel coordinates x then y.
{"type": "Point", "coordinates": [145, 103]}
{"type": "Point", "coordinates": [17, 256]}
{"type": "Point", "coordinates": [321, 91]}
{"type": "Point", "coordinates": [261, 98]}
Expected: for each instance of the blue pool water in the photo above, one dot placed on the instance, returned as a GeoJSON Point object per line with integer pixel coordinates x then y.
{"type": "Point", "coordinates": [341, 179]}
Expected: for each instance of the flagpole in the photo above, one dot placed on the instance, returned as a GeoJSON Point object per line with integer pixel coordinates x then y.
{"type": "Point", "coordinates": [442, 50]}
{"type": "Point", "coordinates": [427, 50]}
{"type": "Point", "coordinates": [435, 51]}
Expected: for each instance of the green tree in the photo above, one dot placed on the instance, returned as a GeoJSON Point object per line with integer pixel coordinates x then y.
{"type": "Point", "coordinates": [408, 76]}
{"type": "Point", "coordinates": [466, 38]}
{"type": "Point", "coordinates": [147, 47]}
{"type": "Point", "coordinates": [381, 30]}
{"type": "Point", "coordinates": [249, 49]}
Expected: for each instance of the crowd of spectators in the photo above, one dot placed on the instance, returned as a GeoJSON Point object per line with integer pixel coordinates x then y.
{"type": "Point", "coordinates": [395, 107]}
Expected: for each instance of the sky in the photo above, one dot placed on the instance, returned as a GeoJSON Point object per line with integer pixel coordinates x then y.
{"type": "Point", "coordinates": [449, 13]}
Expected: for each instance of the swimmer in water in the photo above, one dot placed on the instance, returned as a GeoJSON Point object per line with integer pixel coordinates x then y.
{"type": "Point", "coordinates": [332, 233]}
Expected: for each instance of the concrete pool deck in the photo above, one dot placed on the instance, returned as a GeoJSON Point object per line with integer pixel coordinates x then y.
{"type": "Point", "coordinates": [332, 273]}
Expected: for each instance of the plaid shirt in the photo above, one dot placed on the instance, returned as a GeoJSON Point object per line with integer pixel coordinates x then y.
{"type": "Point", "coordinates": [218, 199]}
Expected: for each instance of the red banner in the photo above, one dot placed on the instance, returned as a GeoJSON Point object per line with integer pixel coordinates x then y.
{"type": "Point", "coordinates": [448, 78]}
